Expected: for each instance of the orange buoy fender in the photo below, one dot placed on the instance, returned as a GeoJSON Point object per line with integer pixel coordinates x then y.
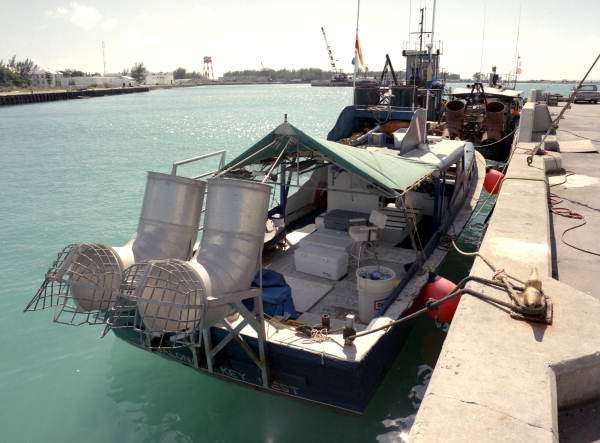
{"type": "Point", "coordinates": [493, 181]}
{"type": "Point", "coordinates": [437, 288]}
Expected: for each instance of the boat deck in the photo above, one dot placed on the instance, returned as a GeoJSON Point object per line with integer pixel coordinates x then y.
{"type": "Point", "coordinates": [314, 296]}
{"type": "Point", "coordinates": [317, 295]}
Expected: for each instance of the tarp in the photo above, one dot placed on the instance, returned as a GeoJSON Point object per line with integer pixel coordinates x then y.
{"type": "Point", "coordinates": [386, 171]}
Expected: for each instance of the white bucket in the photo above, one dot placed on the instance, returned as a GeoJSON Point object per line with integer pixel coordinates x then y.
{"type": "Point", "coordinates": [372, 293]}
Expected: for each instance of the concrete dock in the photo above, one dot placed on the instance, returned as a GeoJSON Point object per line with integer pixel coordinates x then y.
{"type": "Point", "coordinates": [502, 379]}
{"type": "Point", "coordinates": [49, 96]}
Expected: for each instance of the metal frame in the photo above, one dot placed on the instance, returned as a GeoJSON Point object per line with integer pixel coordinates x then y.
{"type": "Point", "coordinates": [254, 319]}
{"type": "Point", "coordinates": [222, 153]}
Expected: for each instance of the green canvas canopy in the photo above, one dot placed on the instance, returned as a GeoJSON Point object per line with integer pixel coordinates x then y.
{"type": "Point", "coordinates": [390, 173]}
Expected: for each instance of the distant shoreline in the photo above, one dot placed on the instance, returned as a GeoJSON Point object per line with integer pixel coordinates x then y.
{"type": "Point", "coordinates": [32, 95]}
{"type": "Point", "coordinates": [21, 91]}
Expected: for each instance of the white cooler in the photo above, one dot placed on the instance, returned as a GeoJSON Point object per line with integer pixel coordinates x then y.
{"type": "Point", "coordinates": [329, 238]}
{"type": "Point", "coordinates": [322, 261]}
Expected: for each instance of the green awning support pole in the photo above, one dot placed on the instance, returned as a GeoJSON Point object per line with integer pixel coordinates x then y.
{"type": "Point", "coordinates": [437, 199]}
{"type": "Point", "coordinates": [283, 189]}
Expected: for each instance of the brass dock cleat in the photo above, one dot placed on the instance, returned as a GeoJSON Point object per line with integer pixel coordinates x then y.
{"type": "Point", "coordinates": [532, 303]}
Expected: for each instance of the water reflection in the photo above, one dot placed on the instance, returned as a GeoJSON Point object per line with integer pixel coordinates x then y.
{"type": "Point", "coordinates": [159, 400]}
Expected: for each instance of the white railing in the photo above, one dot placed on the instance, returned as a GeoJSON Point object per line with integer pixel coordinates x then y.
{"type": "Point", "coordinates": [222, 153]}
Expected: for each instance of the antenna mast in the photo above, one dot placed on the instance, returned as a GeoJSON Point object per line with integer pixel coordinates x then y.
{"type": "Point", "coordinates": [433, 23]}
{"type": "Point", "coordinates": [329, 52]}
{"type": "Point", "coordinates": [103, 59]}
{"type": "Point", "coordinates": [421, 28]}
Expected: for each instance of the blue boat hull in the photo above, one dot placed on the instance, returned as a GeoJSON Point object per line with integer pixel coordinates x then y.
{"type": "Point", "coordinates": [344, 385]}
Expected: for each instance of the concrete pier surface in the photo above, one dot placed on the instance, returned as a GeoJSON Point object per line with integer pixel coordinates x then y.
{"type": "Point", "coordinates": [502, 379]}
{"type": "Point", "coordinates": [579, 193]}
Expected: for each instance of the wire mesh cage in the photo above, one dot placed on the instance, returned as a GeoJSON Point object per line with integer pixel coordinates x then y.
{"type": "Point", "coordinates": [81, 284]}
{"type": "Point", "coordinates": [164, 301]}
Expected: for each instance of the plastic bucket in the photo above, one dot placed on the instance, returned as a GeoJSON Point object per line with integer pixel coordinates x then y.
{"type": "Point", "coordinates": [372, 293]}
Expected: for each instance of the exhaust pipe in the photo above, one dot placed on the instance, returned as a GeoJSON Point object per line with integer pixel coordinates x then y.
{"type": "Point", "coordinates": [171, 296]}
{"type": "Point", "coordinates": [455, 114]}
{"type": "Point", "coordinates": [494, 122]}
{"type": "Point", "coordinates": [84, 280]}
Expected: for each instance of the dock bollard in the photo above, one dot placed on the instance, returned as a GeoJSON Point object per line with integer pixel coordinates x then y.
{"type": "Point", "coordinates": [349, 330]}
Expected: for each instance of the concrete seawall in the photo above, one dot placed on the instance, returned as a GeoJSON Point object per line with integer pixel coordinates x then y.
{"type": "Point", "coordinates": [39, 97]}
{"type": "Point", "coordinates": [501, 379]}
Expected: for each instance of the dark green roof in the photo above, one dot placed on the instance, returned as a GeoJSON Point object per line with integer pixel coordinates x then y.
{"type": "Point", "coordinates": [386, 171]}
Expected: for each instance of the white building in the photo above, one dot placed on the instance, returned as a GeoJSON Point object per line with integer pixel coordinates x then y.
{"type": "Point", "coordinates": [159, 78]}
{"type": "Point", "coordinates": [118, 81]}
{"type": "Point", "coordinates": [42, 78]}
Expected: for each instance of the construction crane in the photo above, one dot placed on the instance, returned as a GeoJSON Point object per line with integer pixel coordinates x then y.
{"type": "Point", "coordinates": [331, 59]}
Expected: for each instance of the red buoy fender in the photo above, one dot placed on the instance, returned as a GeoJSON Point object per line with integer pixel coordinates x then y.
{"type": "Point", "coordinates": [437, 288]}
{"type": "Point", "coordinates": [493, 181]}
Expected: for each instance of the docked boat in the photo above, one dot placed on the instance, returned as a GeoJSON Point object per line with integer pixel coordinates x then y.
{"type": "Point", "coordinates": [346, 80]}
{"type": "Point", "coordinates": [487, 116]}
{"type": "Point", "coordinates": [307, 249]}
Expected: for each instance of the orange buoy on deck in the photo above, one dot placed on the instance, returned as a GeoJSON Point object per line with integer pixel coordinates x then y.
{"type": "Point", "coordinates": [493, 181]}
{"type": "Point", "coordinates": [437, 288]}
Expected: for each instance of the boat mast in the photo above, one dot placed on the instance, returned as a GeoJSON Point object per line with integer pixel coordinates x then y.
{"type": "Point", "coordinates": [517, 46]}
{"type": "Point", "coordinates": [419, 57]}
{"type": "Point", "coordinates": [356, 48]}
{"type": "Point", "coordinates": [421, 27]}
{"type": "Point", "coordinates": [432, 24]}
{"type": "Point", "coordinates": [482, 40]}
{"type": "Point", "coordinates": [409, 18]}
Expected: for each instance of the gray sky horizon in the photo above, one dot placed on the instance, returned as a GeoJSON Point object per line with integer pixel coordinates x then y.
{"type": "Point", "coordinates": [555, 42]}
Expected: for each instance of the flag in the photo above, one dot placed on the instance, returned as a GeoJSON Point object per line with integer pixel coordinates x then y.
{"type": "Point", "coordinates": [361, 63]}
{"type": "Point", "coordinates": [519, 70]}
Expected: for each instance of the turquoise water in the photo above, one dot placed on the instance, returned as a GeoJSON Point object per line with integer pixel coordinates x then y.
{"type": "Point", "coordinates": [75, 171]}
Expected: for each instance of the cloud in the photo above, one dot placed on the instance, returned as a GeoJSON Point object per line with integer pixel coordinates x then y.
{"type": "Point", "coordinates": [201, 9]}
{"type": "Point", "coordinates": [84, 17]}
{"type": "Point", "coordinates": [57, 12]}
{"type": "Point", "coordinates": [132, 37]}
{"type": "Point", "coordinates": [110, 23]}
{"type": "Point", "coordinates": [148, 18]}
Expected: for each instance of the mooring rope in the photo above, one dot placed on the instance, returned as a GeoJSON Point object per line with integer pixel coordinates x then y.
{"type": "Point", "coordinates": [553, 201]}
{"type": "Point", "coordinates": [578, 135]}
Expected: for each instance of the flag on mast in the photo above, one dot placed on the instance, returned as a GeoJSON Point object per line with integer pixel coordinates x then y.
{"type": "Point", "coordinates": [361, 64]}
{"type": "Point", "coordinates": [519, 70]}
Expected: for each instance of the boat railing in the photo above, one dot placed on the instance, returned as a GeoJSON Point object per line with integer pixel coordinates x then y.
{"type": "Point", "coordinates": [221, 153]}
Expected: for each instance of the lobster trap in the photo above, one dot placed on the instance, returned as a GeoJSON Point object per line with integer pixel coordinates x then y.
{"type": "Point", "coordinates": [81, 284]}
{"type": "Point", "coordinates": [163, 301]}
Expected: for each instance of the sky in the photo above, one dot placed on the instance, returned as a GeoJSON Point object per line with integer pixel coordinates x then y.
{"type": "Point", "coordinates": [557, 39]}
